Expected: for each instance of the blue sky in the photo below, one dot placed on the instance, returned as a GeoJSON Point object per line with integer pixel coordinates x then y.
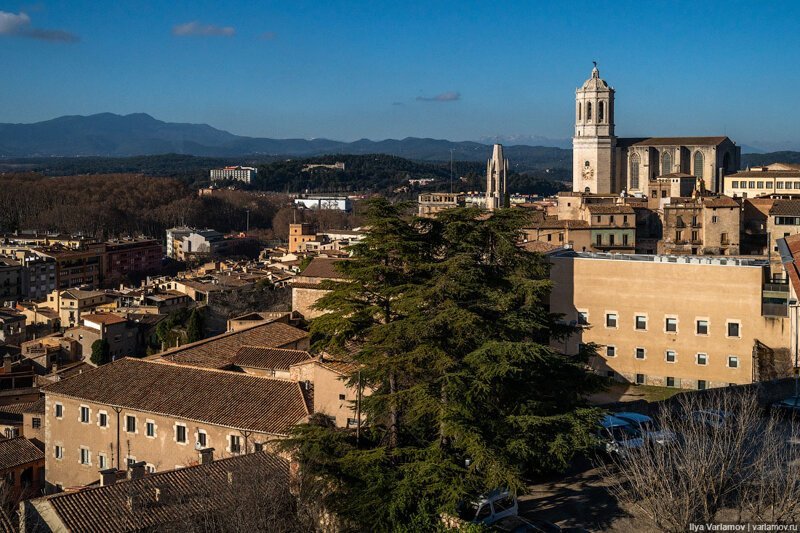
{"type": "Point", "coordinates": [456, 70]}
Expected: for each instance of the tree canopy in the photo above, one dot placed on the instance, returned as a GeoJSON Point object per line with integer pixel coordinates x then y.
{"type": "Point", "coordinates": [448, 323]}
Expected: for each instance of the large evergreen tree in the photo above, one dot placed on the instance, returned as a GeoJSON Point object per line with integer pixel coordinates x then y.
{"type": "Point", "coordinates": [448, 321]}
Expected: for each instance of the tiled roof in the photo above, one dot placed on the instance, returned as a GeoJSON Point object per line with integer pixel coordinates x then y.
{"type": "Point", "coordinates": [765, 174]}
{"type": "Point", "coordinates": [219, 351]}
{"type": "Point", "coordinates": [190, 491]}
{"type": "Point", "coordinates": [322, 267]}
{"type": "Point", "coordinates": [104, 318]}
{"type": "Point", "coordinates": [229, 399]}
{"type": "Point", "coordinates": [18, 451]}
{"type": "Point", "coordinates": [720, 201]}
{"type": "Point", "coordinates": [554, 223]}
{"type": "Point", "coordinates": [682, 141]}
{"type": "Point", "coordinates": [609, 209]}
{"type": "Point", "coordinates": [269, 358]}
{"type": "Point", "coordinates": [20, 408]}
{"type": "Point", "coordinates": [786, 208]}
{"type": "Point", "coordinates": [538, 246]}
{"type": "Point", "coordinates": [339, 365]}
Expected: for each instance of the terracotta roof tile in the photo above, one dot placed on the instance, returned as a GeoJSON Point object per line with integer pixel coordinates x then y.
{"type": "Point", "coordinates": [20, 408]}
{"type": "Point", "coordinates": [229, 399]}
{"type": "Point", "coordinates": [322, 267]}
{"type": "Point", "coordinates": [269, 358]}
{"type": "Point", "coordinates": [720, 201]}
{"type": "Point", "coordinates": [104, 318]}
{"type": "Point", "coordinates": [191, 491]}
{"type": "Point", "coordinates": [683, 141]}
{"type": "Point", "coordinates": [220, 351]}
{"type": "Point", "coordinates": [609, 209]}
{"type": "Point", "coordinates": [785, 208]}
{"type": "Point", "coordinates": [18, 451]}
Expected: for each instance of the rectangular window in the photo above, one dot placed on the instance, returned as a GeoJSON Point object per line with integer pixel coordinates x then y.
{"type": "Point", "coordinates": [751, 184]}
{"type": "Point", "coordinates": [59, 452]}
{"type": "Point", "coordinates": [779, 185]}
{"type": "Point", "coordinates": [150, 429]}
{"type": "Point", "coordinates": [130, 424]}
{"type": "Point", "coordinates": [202, 438]}
{"type": "Point", "coordinates": [641, 322]}
{"type": "Point", "coordinates": [59, 411]}
{"type": "Point", "coordinates": [670, 382]}
{"type": "Point", "coordinates": [760, 185]}
{"type": "Point", "coordinates": [670, 356]}
{"type": "Point", "coordinates": [258, 446]}
{"type": "Point", "coordinates": [679, 235]}
{"type": "Point", "coordinates": [611, 320]}
{"type": "Point", "coordinates": [733, 361]}
{"type": "Point", "coordinates": [236, 444]}
{"type": "Point", "coordinates": [84, 415]}
{"type": "Point", "coordinates": [84, 456]}
{"type": "Point", "coordinates": [714, 219]}
{"type": "Point", "coordinates": [640, 379]}
{"type": "Point", "coordinates": [611, 240]}
{"type": "Point", "coordinates": [342, 397]}
{"type": "Point", "coordinates": [723, 238]}
{"type": "Point", "coordinates": [611, 351]}
{"type": "Point", "coordinates": [639, 353]}
{"type": "Point", "coordinates": [102, 420]}
{"type": "Point", "coordinates": [701, 384]}
{"type": "Point", "coordinates": [671, 325]}
{"type": "Point", "coordinates": [624, 239]}
{"type": "Point", "coordinates": [101, 461]}
{"type": "Point", "coordinates": [733, 329]}
{"type": "Point", "coordinates": [36, 423]}
{"type": "Point", "coordinates": [598, 240]}
{"type": "Point", "coordinates": [695, 236]}
{"type": "Point", "coordinates": [702, 359]}
{"type": "Point", "coordinates": [180, 433]}
{"type": "Point", "coordinates": [702, 327]}
{"type": "Point", "coordinates": [583, 318]}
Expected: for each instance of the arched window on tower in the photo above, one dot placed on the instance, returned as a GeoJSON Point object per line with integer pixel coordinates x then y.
{"type": "Point", "coordinates": [634, 181]}
{"type": "Point", "coordinates": [698, 165]}
{"type": "Point", "coordinates": [601, 112]}
{"type": "Point", "coordinates": [579, 111]}
{"type": "Point", "coordinates": [666, 163]}
{"type": "Point", "coordinates": [588, 111]}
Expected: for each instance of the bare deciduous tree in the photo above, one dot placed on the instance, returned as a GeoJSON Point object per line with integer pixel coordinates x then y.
{"type": "Point", "coordinates": [728, 461]}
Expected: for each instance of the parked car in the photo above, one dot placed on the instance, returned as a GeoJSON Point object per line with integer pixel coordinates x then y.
{"type": "Point", "coordinates": [647, 427]}
{"type": "Point", "coordinates": [489, 508]}
{"type": "Point", "coordinates": [789, 407]}
{"type": "Point", "coordinates": [713, 418]}
{"type": "Point", "coordinates": [517, 524]}
{"type": "Point", "coordinates": [617, 436]}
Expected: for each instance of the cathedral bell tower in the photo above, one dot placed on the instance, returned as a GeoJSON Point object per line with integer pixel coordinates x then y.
{"type": "Point", "coordinates": [594, 143]}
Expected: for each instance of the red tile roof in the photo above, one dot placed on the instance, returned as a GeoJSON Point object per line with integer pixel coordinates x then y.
{"type": "Point", "coordinates": [104, 318]}
{"type": "Point", "coordinates": [18, 451]}
{"type": "Point", "coordinates": [322, 267]}
{"type": "Point", "coordinates": [229, 399]}
{"type": "Point", "coordinates": [269, 358]}
{"type": "Point", "coordinates": [785, 208]}
{"type": "Point", "coordinates": [682, 141]}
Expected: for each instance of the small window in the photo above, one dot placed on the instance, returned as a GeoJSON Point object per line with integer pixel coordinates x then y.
{"type": "Point", "coordinates": [641, 322]}
{"type": "Point", "coordinates": [733, 361]}
{"type": "Point", "coordinates": [258, 446]}
{"type": "Point", "coordinates": [85, 456]}
{"type": "Point", "coordinates": [583, 318]}
{"type": "Point", "coordinates": [150, 429]}
{"type": "Point", "coordinates": [701, 384]}
{"type": "Point", "coordinates": [341, 397]}
{"type": "Point", "coordinates": [236, 444]}
{"type": "Point", "coordinates": [84, 415]}
{"type": "Point", "coordinates": [611, 320]}
{"type": "Point", "coordinates": [671, 325]}
{"type": "Point", "coordinates": [130, 424]}
{"type": "Point", "coordinates": [180, 433]}
{"type": "Point", "coordinates": [36, 423]}
{"type": "Point", "coordinates": [670, 381]}
{"type": "Point", "coordinates": [101, 461]}
{"type": "Point", "coordinates": [640, 379]}
{"type": "Point", "coordinates": [640, 353]}
{"type": "Point", "coordinates": [59, 411]}
{"type": "Point", "coordinates": [59, 452]}
{"type": "Point", "coordinates": [702, 327]}
{"type": "Point", "coordinates": [202, 438]}
{"type": "Point", "coordinates": [611, 351]}
{"type": "Point", "coordinates": [714, 219]}
{"type": "Point", "coordinates": [670, 356]}
{"type": "Point", "coordinates": [702, 359]}
{"type": "Point", "coordinates": [733, 329]}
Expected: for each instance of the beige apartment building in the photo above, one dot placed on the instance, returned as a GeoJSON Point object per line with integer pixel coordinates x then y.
{"type": "Point", "coordinates": [689, 322]}
{"type": "Point", "coordinates": [73, 303]}
{"type": "Point", "coordinates": [307, 286]}
{"type": "Point", "coordinates": [134, 410]}
{"type": "Point", "coordinates": [780, 180]}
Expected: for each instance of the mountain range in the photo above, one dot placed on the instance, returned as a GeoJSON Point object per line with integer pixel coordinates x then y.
{"type": "Point", "coordinates": [111, 135]}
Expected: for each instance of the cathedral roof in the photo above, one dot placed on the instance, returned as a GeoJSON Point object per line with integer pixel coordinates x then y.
{"type": "Point", "coordinates": [595, 81]}
{"type": "Point", "coordinates": [681, 141]}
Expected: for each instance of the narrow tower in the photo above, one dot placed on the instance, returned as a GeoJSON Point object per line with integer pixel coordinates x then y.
{"type": "Point", "coordinates": [496, 173]}
{"type": "Point", "coordinates": [594, 142]}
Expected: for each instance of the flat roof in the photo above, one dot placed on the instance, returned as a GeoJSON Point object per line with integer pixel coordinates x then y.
{"type": "Point", "coordinates": [717, 260]}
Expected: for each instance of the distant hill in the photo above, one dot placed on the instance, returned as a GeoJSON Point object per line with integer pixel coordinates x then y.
{"type": "Point", "coordinates": [110, 135]}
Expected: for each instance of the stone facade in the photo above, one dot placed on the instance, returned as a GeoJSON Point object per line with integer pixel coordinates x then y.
{"type": "Point", "coordinates": [496, 178]}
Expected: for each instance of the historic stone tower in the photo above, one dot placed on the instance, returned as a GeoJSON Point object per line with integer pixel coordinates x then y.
{"type": "Point", "coordinates": [496, 173]}
{"type": "Point", "coordinates": [594, 143]}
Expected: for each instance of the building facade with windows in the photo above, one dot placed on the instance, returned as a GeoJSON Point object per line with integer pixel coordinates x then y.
{"type": "Point", "coordinates": [781, 180]}
{"type": "Point", "coordinates": [689, 322]}
{"type": "Point", "coordinates": [134, 410]}
{"type": "Point", "coordinates": [237, 173]}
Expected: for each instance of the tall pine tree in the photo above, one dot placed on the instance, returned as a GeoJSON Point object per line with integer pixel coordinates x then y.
{"type": "Point", "coordinates": [448, 321]}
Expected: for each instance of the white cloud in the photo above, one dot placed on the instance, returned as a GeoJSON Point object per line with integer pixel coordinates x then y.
{"type": "Point", "coordinates": [19, 25]}
{"type": "Point", "coordinates": [202, 30]}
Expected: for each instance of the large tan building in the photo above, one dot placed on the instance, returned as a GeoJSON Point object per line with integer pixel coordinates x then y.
{"type": "Point", "coordinates": [701, 226]}
{"type": "Point", "coordinates": [307, 286]}
{"type": "Point", "coordinates": [780, 180]}
{"type": "Point", "coordinates": [689, 322]}
{"type": "Point", "coordinates": [134, 410]}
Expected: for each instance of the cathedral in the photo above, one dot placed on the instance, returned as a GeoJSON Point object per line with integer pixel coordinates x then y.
{"type": "Point", "coordinates": [606, 164]}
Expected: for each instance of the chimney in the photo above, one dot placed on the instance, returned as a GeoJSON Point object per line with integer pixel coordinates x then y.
{"type": "Point", "coordinates": [136, 470]}
{"type": "Point", "coordinates": [7, 363]}
{"type": "Point", "coordinates": [206, 456]}
{"type": "Point", "coordinates": [108, 477]}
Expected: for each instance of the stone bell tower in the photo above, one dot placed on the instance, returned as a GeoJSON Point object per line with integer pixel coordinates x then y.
{"type": "Point", "coordinates": [496, 175]}
{"type": "Point", "coordinates": [594, 143]}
